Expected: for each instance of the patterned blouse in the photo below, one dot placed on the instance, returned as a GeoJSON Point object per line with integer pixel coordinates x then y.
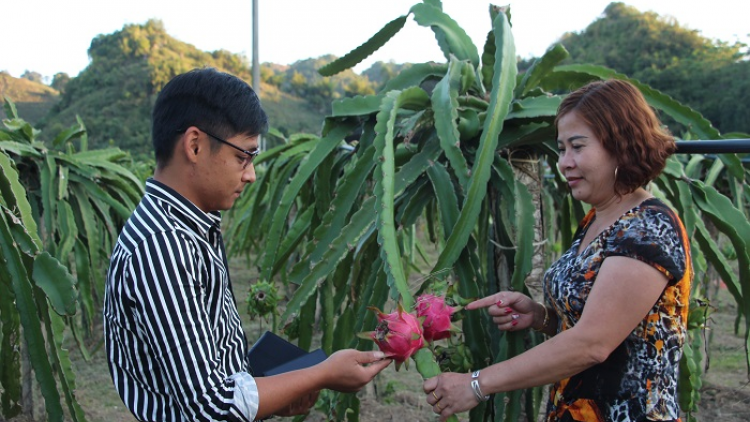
{"type": "Point", "coordinates": [638, 381]}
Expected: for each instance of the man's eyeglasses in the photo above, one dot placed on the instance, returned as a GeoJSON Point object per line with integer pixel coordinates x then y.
{"type": "Point", "coordinates": [249, 155]}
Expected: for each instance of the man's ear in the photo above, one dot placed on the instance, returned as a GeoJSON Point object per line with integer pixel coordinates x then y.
{"type": "Point", "coordinates": [189, 144]}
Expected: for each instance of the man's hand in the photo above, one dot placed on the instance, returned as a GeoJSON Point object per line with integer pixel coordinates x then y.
{"type": "Point", "coordinates": [301, 406]}
{"type": "Point", "coordinates": [349, 370]}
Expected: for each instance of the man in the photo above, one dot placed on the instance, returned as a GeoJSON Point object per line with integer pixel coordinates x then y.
{"type": "Point", "coordinates": [174, 341]}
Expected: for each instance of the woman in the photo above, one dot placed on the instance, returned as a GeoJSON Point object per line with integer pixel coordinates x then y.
{"type": "Point", "coordinates": [616, 302]}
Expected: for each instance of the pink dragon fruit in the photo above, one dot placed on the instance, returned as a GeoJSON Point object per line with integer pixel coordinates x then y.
{"type": "Point", "coordinates": [398, 334]}
{"type": "Point", "coordinates": [437, 317]}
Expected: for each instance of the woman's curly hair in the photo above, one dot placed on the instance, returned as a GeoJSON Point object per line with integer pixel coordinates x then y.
{"type": "Point", "coordinates": [627, 127]}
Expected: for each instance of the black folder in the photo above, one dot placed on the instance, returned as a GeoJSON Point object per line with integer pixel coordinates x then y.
{"type": "Point", "coordinates": [272, 355]}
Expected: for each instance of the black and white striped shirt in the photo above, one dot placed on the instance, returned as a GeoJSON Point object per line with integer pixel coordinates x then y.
{"type": "Point", "coordinates": [174, 341]}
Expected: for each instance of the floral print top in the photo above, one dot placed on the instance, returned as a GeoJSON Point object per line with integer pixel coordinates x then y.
{"type": "Point", "coordinates": [638, 381]}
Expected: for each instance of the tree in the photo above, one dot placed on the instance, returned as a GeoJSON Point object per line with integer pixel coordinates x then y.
{"type": "Point", "coordinates": [33, 76]}
{"type": "Point", "coordinates": [298, 83]}
{"type": "Point", "coordinates": [59, 81]}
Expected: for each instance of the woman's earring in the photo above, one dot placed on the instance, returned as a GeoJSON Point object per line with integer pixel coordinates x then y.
{"type": "Point", "coordinates": [616, 173]}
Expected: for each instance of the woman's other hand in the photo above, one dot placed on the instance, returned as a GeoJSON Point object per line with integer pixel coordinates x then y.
{"type": "Point", "coordinates": [450, 393]}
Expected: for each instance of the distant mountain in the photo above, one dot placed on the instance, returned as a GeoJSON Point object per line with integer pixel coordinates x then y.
{"type": "Point", "coordinates": [115, 93]}
{"type": "Point", "coordinates": [33, 100]}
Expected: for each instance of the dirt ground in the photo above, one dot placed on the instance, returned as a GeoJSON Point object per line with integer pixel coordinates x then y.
{"type": "Point", "coordinates": [396, 396]}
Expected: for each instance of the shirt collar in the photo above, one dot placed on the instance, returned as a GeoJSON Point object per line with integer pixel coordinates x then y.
{"type": "Point", "coordinates": [201, 220]}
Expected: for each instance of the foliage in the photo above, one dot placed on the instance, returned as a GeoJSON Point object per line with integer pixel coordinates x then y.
{"type": "Point", "coordinates": [59, 81]}
{"type": "Point", "coordinates": [674, 59]}
{"type": "Point", "coordinates": [346, 224]}
{"type": "Point", "coordinates": [32, 76]}
{"type": "Point", "coordinates": [61, 213]}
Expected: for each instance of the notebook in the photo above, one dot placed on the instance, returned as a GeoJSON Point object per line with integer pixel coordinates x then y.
{"type": "Point", "coordinates": [272, 355]}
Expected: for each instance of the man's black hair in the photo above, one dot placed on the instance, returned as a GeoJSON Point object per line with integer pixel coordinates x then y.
{"type": "Point", "coordinates": [217, 102]}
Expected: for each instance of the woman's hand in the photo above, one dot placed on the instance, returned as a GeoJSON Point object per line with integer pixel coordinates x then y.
{"type": "Point", "coordinates": [349, 370]}
{"type": "Point", "coordinates": [511, 311]}
{"type": "Point", "coordinates": [450, 393]}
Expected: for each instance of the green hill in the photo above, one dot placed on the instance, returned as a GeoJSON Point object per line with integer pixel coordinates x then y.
{"type": "Point", "coordinates": [33, 100]}
{"type": "Point", "coordinates": [115, 93]}
{"type": "Point", "coordinates": [707, 75]}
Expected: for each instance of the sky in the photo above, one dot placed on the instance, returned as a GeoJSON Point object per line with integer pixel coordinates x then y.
{"type": "Point", "coordinates": [51, 36]}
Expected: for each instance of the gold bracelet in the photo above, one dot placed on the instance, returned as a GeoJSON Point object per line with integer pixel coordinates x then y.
{"type": "Point", "coordinates": [545, 322]}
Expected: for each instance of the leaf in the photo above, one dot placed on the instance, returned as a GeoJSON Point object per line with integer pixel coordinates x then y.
{"type": "Point", "coordinates": [14, 197]}
{"type": "Point", "coordinates": [452, 39]}
{"type": "Point", "coordinates": [360, 53]}
{"type": "Point", "coordinates": [445, 195]}
{"type": "Point", "coordinates": [73, 132]}
{"type": "Point", "coordinates": [56, 282]}
{"type": "Point", "coordinates": [23, 240]}
{"type": "Point", "coordinates": [91, 228]}
{"type": "Point", "coordinates": [20, 149]}
{"type": "Point", "coordinates": [356, 106]}
{"type": "Point", "coordinates": [10, 108]}
{"type": "Point", "coordinates": [532, 107]}
{"type": "Point", "coordinates": [15, 271]}
{"type": "Point", "coordinates": [306, 169]}
{"type": "Point", "coordinates": [502, 92]}
{"type": "Point", "coordinates": [385, 192]}
{"type": "Point", "coordinates": [415, 75]}
{"type": "Point", "coordinates": [343, 203]}
{"type": "Point", "coordinates": [445, 107]}
{"type": "Point", "coordinates": [10, 356]}
{"type": "Point", "coordinates": [350, 234]}
{"type": "Point", "coordinates": [293, 238]}
{"type": "Point", "coordinates": [83, 273]}
{"type": "Point", "coordinates": [67, 230]}
{"type": "Point", "coordinates": [61, 358]}
{"type": "Point", "coordinates": [524, 236]}
{"type": "Point", "coordinates": [734, 224]}
{"type": "Point", "coordinates": [47, 171]}
{"type": "Point", "coordinates": [97, 193]}
{"type": "Point", "coordinates": [540, 68]}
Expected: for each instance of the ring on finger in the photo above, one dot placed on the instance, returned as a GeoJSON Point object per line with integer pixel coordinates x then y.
{"type": "Point", "coordinates": [437, 404]}
{"type": "Point", "coordinates": [435, 395]}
